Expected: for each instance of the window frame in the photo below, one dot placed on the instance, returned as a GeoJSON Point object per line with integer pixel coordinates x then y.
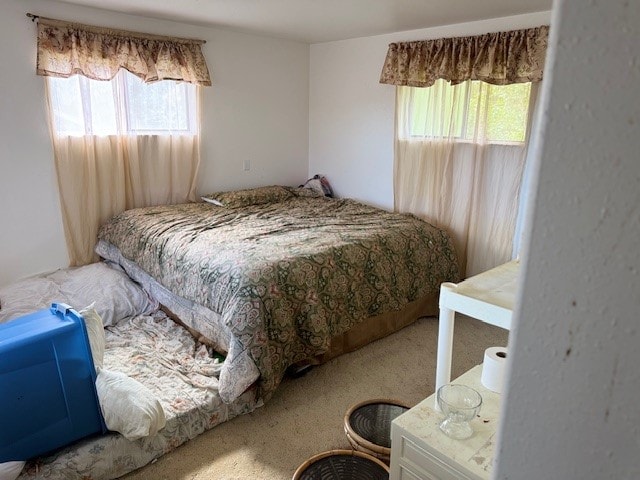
{"type": "Point", "coordinates": [124, 116]}
{"type": "Point", "coordinates": [462, 137]}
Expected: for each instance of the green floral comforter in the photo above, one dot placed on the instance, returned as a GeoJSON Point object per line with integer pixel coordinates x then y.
{"type": "Point", "coordinates": [285, 277]}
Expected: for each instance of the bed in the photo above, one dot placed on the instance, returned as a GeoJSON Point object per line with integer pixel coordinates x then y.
{"type": "Point", "coordinates": [263, 285]}
{"type": "Point", "coordinates": [277, 276]}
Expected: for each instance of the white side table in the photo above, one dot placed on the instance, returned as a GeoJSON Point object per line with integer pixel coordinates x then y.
{"type": "Point", "coordinates": [488, 296]}
{"type": "Point", "coordinates": [420, 451]}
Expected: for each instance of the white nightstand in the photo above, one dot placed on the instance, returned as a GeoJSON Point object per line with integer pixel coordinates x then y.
{"type": "Point", "coordinates": [420, 451]}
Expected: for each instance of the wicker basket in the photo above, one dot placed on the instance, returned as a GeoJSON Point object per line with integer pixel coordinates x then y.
{"type": "Point", "coordinates": [368, 426]}
{"type": "Point", "coordinates": [342, 465]}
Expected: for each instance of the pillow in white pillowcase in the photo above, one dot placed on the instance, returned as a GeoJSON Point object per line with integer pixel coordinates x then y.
{"type": "Point", "coordinates": [128, 407]}
{"type": "Point", "coordinates": [114, 295]}
{"type": "Point", "coordinates": [95, 332]}
{"type": "Point", "coordinates": [10, 470]}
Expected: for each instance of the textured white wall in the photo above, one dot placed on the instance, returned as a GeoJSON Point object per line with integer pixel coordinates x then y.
{"type": "Point", "coordinates": [571, 408]}
{"type": "Point", "coordinates": [351, 115]}
{"type": "Point", "coordinates": [257, 110]}
{"type": "Point", "coordinates": [31, 236]}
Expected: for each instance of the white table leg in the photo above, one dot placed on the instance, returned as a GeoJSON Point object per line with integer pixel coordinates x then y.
{"type": "Point", "coordinates": [445, 346]}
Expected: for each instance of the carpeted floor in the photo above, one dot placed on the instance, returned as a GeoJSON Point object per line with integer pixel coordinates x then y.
{"type": "Point", "coordinates": [305, 416]}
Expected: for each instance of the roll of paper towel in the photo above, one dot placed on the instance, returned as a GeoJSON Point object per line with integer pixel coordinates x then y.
{"type": "Point", "coordinates": [495, 359]}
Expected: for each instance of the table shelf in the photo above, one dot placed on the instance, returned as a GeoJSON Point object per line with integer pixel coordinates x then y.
{"type": "Point", "coordinates": [489, 297]}
{"type": "Point", "coordinates": [419, 450]}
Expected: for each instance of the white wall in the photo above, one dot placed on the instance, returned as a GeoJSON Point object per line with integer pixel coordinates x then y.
{"type": "Point", "coordinates": [571, 408]}
{"type": "Point", "coordinates": [351, 115]}
{"type": "Point", "coordinates": [257, 110]}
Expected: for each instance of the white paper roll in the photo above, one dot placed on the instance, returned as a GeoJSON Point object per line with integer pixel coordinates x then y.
{"type": "Point", "coordinates": [495, 360]}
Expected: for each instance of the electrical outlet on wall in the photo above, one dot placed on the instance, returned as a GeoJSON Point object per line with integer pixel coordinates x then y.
{"type": "Point", "coordinates": [246, 166]}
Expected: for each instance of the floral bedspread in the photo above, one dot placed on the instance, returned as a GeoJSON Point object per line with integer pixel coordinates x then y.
{"type": "Point", "coordinates": [182, 373]}
{"type": "Point", "coordinates": [285, 277]}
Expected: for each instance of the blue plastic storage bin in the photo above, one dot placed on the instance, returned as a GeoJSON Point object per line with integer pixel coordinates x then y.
{"type": "Point", "coordinates": [48, 395]}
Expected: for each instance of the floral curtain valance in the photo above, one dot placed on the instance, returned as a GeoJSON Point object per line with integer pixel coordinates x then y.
{"type": "Point", "coordinates": [499, 58]}
{"type": "Point", "coordinates": [66, 49]}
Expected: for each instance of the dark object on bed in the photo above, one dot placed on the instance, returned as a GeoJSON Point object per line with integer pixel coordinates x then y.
{"type": "Point", "coordinates": [274, 283]}
{"type": "Point", "coordinates": [320, 184]}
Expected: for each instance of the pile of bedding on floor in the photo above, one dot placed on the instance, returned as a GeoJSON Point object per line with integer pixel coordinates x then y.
{"type": "Point", "coordinates": [142, 343]}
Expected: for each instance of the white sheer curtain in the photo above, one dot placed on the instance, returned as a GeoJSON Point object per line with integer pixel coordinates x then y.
{"type": "Point", "coordinates": [459, 158]}
{"type": "Point", "coordinates": [100, 176]}
{"type": "Point", "coordinates": [124, 121]}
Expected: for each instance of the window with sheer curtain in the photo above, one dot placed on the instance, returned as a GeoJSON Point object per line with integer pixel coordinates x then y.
{"type": "Point", "coordinates": [463, 112]}
{"type": "Point", "coordinates": [460, 152]}
{"type": "Point", "coordinates": [123, 114]}
{"type": "Point", "coordinates": [472, 111]}
{"type": "Point", "coordinates": [124, 105]}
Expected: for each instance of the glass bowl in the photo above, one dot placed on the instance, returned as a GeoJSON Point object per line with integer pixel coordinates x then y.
{"type": "Point", "coordinates": [460, 404]}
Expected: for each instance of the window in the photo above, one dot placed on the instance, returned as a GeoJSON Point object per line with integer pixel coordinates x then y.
{"type": "Point", "coordinates": [125, 105]}
{"type": "Point", "coordinates": [470, 111]}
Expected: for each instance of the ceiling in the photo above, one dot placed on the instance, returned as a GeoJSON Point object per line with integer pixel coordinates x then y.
{"type": "Point", "coordinates": [316, 21]}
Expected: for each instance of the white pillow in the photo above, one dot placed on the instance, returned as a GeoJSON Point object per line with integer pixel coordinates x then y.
{"type": "Point", "coordinates": [213, 201]}
{"type": "Point", "coordinates": [114, 295]}
{"type": "Point", "coordinates": [10, 470]}
{"type": "Point", "coordinates": [128, 407]}
{"type": "Point", "coordinates": [95, 332]}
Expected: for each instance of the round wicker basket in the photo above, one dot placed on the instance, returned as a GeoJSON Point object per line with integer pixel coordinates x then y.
{"type": "Point", "coordinates": [342, 465]}
{"type": "Point", "coordinates": [368, 426]}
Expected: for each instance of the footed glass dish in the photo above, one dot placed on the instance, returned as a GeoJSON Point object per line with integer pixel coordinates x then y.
{"type": "Point", "coordinates": [460, 404]}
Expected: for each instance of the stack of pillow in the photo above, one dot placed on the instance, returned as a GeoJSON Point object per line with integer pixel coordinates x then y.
{"type": "Point", "coordinates": [317, 186]}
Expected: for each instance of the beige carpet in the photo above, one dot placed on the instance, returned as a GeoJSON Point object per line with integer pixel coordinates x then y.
{"type": "Point", "coordinates": [305, 416]}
